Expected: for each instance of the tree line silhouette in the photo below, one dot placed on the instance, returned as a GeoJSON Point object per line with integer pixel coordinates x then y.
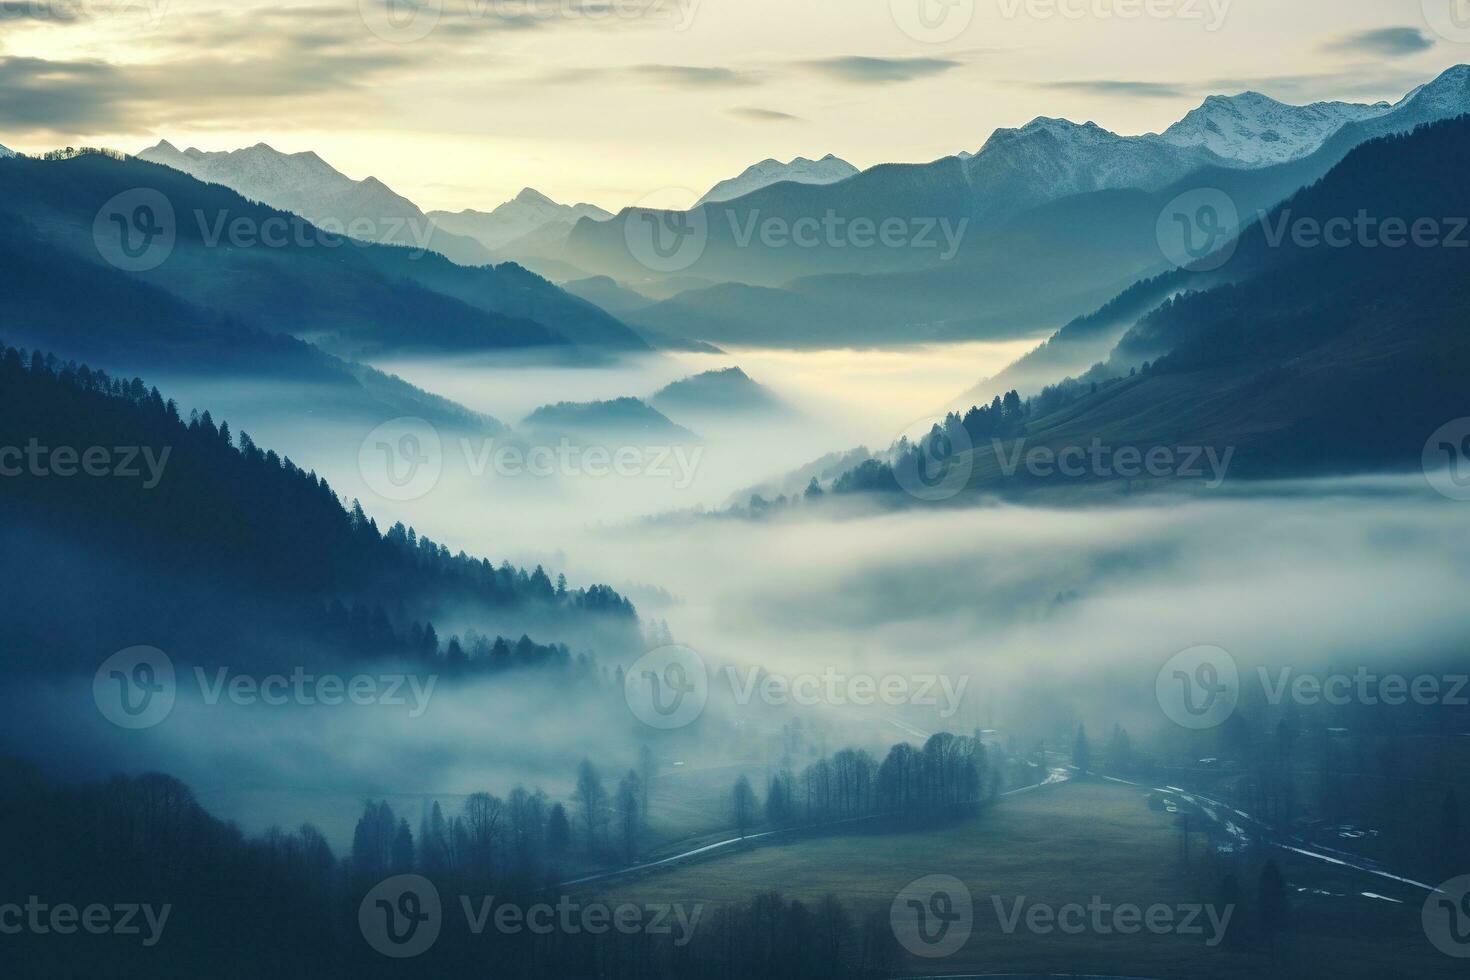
{"type": "Point", "coordinates": [234, 534]}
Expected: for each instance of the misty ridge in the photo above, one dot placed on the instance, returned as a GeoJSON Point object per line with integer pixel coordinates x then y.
{"type": "Point", "coordinates": [1042, 558]}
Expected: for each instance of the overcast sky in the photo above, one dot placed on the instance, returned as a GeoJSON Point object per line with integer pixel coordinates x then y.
{"type": "Point", "coordinates": [460, 103]}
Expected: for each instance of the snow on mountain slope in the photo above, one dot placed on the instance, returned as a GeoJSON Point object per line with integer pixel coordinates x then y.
{"type": "Point", "coordinates": [1257, 131]}
{"type": "Point", "coordinates": [5, 152]}
{"type": "Point", "coordinates": [828, 170]}
{"type": "Point", "coordinates": [527, 213]}
{"type": "Point", "coordinates": [1049, 159]}
{"type": "Point", "coordinates": [1445, 97]}
{"type": "Point", "coordinates": [305, 184]}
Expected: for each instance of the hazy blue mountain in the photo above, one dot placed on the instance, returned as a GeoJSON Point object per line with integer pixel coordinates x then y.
{"type": "Point", "coordinates": [1258, 130]}
{"type": "Point", "coordinates": [828, 170]}
{"type": "Point", "coordinates": [617, 419]}
{"type": "Point", "coordinates": [1306, 357]}
{"type": "Point", "coordinates": [53, 300]}
{"type": "Point", "coordinates": [351, 297]}
{"type": "Point", "coordinates": [607, 293]}
{"type": "Point", "coordinates": [1006, 278]}
{"type": "Point", "coordinates": [729, 394]}
{"type": "Point", "coordinates": [1080, 344]}
{"type": "Point", "coordinates": [504, 230]}
{"type": "Point", "coordinates": [305, 184]}
{"type": "Point", "coordinates": [229, 535]}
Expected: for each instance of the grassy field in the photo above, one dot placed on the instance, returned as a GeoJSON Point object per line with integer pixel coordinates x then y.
{"type": "Point", "coordinates": [1059, 846]}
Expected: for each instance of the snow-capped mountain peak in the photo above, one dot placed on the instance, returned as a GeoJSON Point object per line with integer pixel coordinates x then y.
{"type": "Point", "coordinates": [6, 152]}
{"type": "Point", "coordinates": [1256, 130]}
{"type": "Point", "coordinates": [828, 170]}
{"type": "Point", "coordinates": [1446, 95]}
{"type": "Point", "coordinates": [525, 214]}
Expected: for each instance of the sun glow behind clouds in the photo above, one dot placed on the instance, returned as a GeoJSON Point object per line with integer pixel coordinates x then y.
{"type": "Point", "coordinates": [611, 109]}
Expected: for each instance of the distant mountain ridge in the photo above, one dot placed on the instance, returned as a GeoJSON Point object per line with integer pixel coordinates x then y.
{"type": "Point", "coordinates": [356, 301]}
{"type": "Point", "coordinates": [1046, 162]}
{"type": "Point", "coordinates": [729, 394]}
{"type": "Point", "coordinates": [528, 212]}
{"type": "Point", "coordinates": [1258, 130]}
{"type": "Point", "coordinates": [305, 184]}
{"type": "Point", "coordinates": [1012, 276]}
{"type": "Point", "coordinates": [800, 170]}
{"type": "Point", "coordinates": [624, 418]}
